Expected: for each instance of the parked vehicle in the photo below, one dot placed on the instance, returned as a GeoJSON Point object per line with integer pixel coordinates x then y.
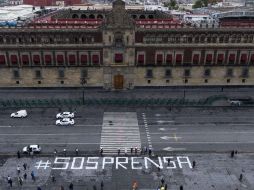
{"type": "Point", "coordinates": [19, 114]}
{"type": "Point", "coordinates": [65, 121]}
{"type": "Point", "coordinates": [32, 148]}
{"type": "Point", "coordinates": [65, 115]}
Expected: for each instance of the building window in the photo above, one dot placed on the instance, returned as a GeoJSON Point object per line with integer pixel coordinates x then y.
{"type": "Point", "coordinates": [48, 59]}
{"type": "Point", "coordinates": [61, 73]}
{"type": "Point", "coordinates": [25, 60]}
{"type": "Point", "coordinates": [95, 59]}
{"type": "Point", "coordinates": [2, 60]}
{"type": "Point", "coordinates": [169, 59]}
{"type": "Point", "coordinates": [141, 59]}
{"type": "Point", "coordinates": [168, 73]}
{"type": "Point", "coordinates": [178, 58]}
{"type": "Point", "coordinates": [14, 59]}
{"type": "Point", "coordinates": [209, 58]}
{"type": "Point", "coordinates": [195, 59]}
{"type": "Point", "coordinates": [186, 73]}
{"type": "Point", "coordinates": [16, 74]}
{"type": "Point", "coordinates": [220, 58]}
{"type": "Point", "coordinates": [229, 72]}
{"type": "Point", "coordinates": [159, 59]}
{"type": "Point", "coordinates": [243, 58]}
{"type": "Point", "coordinates": [149, 73]}
{"type": "Point", "coordinates": [36, 59]}
{"type": "Point", "coordinates": [72, 59]}
{"type": "Point", "coordinates": [84, 59]}
{"type": "Point", "coordinates": [252, 59]}
{"type": "Point", "coordinates": [231, 58]}
{"type": "Point", "coordinates": [245, 72]}
{"type": "Point", "coordinates": [38, 74]}
{"type": "Point", "coordinates": [207, 72]}
{"type": "Point", "coordinates": [83, 74]}
{"type": "Point", "coordinates": [118, 58]}
{"type": "Point", "coordinates": [60, 59]}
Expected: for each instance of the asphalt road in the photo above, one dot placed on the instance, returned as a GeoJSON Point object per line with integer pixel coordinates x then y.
{"type": "Point", "coordinates": [187, 129]}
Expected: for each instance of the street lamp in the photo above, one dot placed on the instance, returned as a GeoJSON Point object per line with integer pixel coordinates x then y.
{"type": "Point", "coordinates": [83, 82]}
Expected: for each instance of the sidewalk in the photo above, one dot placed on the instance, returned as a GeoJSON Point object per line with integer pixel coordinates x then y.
{"type": "Point", "coordinates": [212, 171]}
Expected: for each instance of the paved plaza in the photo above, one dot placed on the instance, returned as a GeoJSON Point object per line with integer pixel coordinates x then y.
{"type": "Point", "coordinates": [204, 135]}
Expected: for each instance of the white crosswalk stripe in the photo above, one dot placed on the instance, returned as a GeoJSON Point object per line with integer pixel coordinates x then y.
{"type": "Point", "coordinates": [120, 130]}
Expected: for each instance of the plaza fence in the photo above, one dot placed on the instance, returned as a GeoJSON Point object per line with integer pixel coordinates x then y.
{"type": "Point", "coordinates": [27, 103]}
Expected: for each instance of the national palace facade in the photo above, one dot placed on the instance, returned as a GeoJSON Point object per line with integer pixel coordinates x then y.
{"type": "Point", "coordinates": [123, 49]}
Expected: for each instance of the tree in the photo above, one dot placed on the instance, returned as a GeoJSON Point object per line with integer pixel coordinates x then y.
{"type": "Point", "coordinates": [198, 4]}
{"type": "Point", "coordinates": [171, 5]}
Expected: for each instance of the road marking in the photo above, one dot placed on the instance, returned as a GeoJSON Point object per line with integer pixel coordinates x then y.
{"type": "Point", "coordinates": [147, 133]}
{"type": "Point", "coordinates": [165, 129]}
{"type": "Point", "coordinates": [161, 121]}
{"type": "Point", "coordinates": [173, 149]}
{"type": "Point", "coordinates": [5, 126]}
{"type": "Point", "coordinates": [167, 137]}
{"type": "Point", "coordinates": [118, 134]}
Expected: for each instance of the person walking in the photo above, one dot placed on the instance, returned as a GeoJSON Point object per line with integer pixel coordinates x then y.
{"type": "Point", "coordinates": [136, 150]}
{"type": "Point", "coordinates": [25, 176]}
{"type": "Point", "coordinates": [38, 188]}
{"type": "Point", "coordinates": [33, 176]}
{"type": "Point", "coordinates": [131, 150]}
{"type": "Point", "coordinates": [101, 151]}
{"type": "Point", "coordinates": [241, 178]}
{"type": "Point", "coordinates": [18, 154]}
{"type": "Point", "coordinates": [150, 151]}
{"type": "Point", "coordinates": [232, 154]}
{"type": "Point", "coordinates": [125, 151]}
{"type": "Point", "coordinates": [53, 178]}
{"type": "Point", "coordinates": [18, 169]}
{"type": "Point", "coordinates": [64, 151]}
{"type": "Point", "coordinates": [194, 164]}
{"type": "Point", "coordinates": [71, 186]}
{"type": "Point", "coordinates": [55, 152]}
{"type": "Point", "coordinates": [9, 180]}
{"type": "Point", "coordinates": [118, 151]}
{"type": "Point", "coordinates": [24, 166]}
{"type": "Point", "coordinates": [20, 180]}
{"type": "Point", "coordinates": [168, 161]}
{"type": "Point", "coordinates": [76, 151]}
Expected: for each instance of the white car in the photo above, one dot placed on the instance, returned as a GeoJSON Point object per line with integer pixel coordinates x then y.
{"type": "Point", "coordinates": [19, 114]}
{"type": "Point", "coordinates": [65, 115]}
{"type": "Point", "coordinates": [34, 148]}
{"type": "Point", "coordinates": [65, 121]}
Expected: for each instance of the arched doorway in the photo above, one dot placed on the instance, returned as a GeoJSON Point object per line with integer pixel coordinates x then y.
{"type": "Point", "coordinates": [118, 81]}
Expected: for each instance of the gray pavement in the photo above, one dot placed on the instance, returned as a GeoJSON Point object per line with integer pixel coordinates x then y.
{"type": "Point", "coordinates": [206, 135]}
{"type": "Point", "coordinates": [212, 171]}
{"type": "Point", "coordinates": [171, 92]}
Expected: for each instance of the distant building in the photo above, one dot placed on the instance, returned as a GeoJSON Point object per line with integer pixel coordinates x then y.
{"type": "Point", "coordinates": [52, 2]}
{"type": "Point", "coordinates": [122, 48]}
{"type": "Point", "coordinates": [16, 2]}
{"type": "Point", "coordinates": [249, 3]}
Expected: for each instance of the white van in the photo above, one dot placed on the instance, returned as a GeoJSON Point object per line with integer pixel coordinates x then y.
{"type": "Point", "coordinates": [19, 114]}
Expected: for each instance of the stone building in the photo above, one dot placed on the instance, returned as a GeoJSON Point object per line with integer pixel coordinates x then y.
{"type": "Point", "coordinates": [123, 49]}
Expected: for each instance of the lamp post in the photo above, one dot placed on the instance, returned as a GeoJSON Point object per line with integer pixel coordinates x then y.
{"type": "Point", "coordinates": [83, 82]}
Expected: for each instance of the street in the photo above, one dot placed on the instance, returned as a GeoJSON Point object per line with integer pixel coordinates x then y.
{"type": "Point", "coordinates": [181, 129]}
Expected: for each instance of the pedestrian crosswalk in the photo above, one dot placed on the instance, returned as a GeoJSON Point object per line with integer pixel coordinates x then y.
{"type": "Point", "coordinates": [120, 130]}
